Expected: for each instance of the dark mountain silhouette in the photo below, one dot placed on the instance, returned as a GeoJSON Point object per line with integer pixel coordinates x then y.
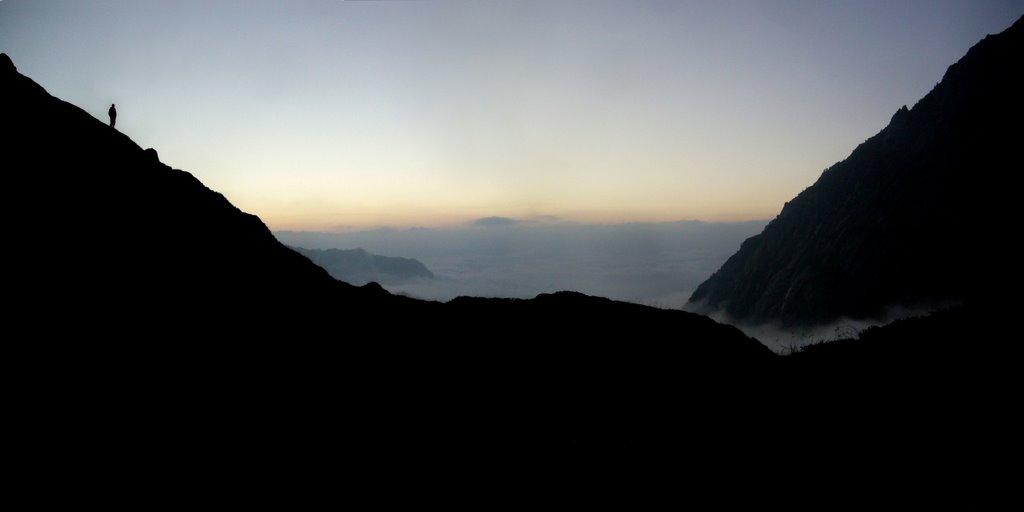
{"type": "Point", "coordinates": [206, 258]}
{"type": "Point", "coordinates": [907, 219]}
{"type": "Point", "coordinates": [223, 328]}
{"type": "Point", "coordinates": [360, 267]}
{"type": "Point", "coordinates": [93, 201]}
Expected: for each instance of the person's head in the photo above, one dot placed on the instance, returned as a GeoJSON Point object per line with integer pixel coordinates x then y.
{"type": "Point", "coordinates": [111, 105]}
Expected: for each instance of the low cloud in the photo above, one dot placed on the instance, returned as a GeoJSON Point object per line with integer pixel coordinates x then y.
{"type": "Point", "coordinates": [548, 218]}
{"type": "Point", "coordinates": [657, 264]}
{"type": "Point", "coordinates": [785, 340]}
{"type": "Point", "coordinates": [490, 222]}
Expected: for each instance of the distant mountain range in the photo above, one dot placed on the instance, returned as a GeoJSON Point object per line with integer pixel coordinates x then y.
{"type": "Point", "coordinates": [356, 266]}
{"type": "Point", "coordinates": [913, 217]}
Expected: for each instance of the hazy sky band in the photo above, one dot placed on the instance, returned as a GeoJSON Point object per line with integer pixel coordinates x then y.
{"type": "Point", "coordinates": [322, 114]}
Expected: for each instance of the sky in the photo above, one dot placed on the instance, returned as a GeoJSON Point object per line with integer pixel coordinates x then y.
{"type": "Point", "coordinates": [332, 115]}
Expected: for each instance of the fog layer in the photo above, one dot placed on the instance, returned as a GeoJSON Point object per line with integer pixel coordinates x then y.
{"type": "Point", "coordinates": [789, 340]}
{"type": "Point", "coordinates": [658, 264]}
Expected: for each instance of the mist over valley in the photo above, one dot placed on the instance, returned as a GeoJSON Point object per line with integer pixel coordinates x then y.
{"type": "Point", "coordinates": [655, 264]}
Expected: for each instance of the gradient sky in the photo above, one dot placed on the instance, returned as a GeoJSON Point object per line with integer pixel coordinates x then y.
{"type": "Point", "coordinates": [320, 115]}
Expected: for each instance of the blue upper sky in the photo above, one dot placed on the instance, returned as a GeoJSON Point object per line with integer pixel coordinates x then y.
{"type": "Point", "coordinates": [330, 114]}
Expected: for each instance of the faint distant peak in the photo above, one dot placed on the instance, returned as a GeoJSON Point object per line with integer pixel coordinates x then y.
{"type": "Point", "coordinates": [490, 222]}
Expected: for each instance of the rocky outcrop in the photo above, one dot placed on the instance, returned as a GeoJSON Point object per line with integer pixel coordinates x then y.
{"type": "Point", "coordinates": [906, 220]}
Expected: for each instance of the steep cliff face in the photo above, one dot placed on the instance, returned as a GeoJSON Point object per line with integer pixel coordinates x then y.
{"type": "Point", "coordinates": [906, 219]}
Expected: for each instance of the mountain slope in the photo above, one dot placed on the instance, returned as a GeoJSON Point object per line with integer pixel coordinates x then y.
{"type": "Point", "coordinates": [901, 221]}
{"type": "Point", "coordinates": [92, 201]}
{"type": "Point", "coordinates": [165, 303]}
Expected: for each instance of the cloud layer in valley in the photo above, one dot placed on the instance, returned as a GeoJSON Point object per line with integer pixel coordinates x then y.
{"type": "Point", "coordinates": [657, 264]}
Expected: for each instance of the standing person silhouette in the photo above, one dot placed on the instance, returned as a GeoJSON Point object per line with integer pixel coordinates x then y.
{"type": "Point", "coordinates": [113, 115]}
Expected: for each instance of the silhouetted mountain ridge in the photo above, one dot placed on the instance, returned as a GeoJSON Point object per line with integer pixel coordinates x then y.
{"type": "Point", "coordinates": [200, 308]}
{"type": "Point", "coordinates": [360, 267]}
{"type": "Point", "coordinates": [108, 194]}
{"type": "Point", "coordinates": [904, 220]}
{"type": "Point", "coordinates": [206, 261]}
